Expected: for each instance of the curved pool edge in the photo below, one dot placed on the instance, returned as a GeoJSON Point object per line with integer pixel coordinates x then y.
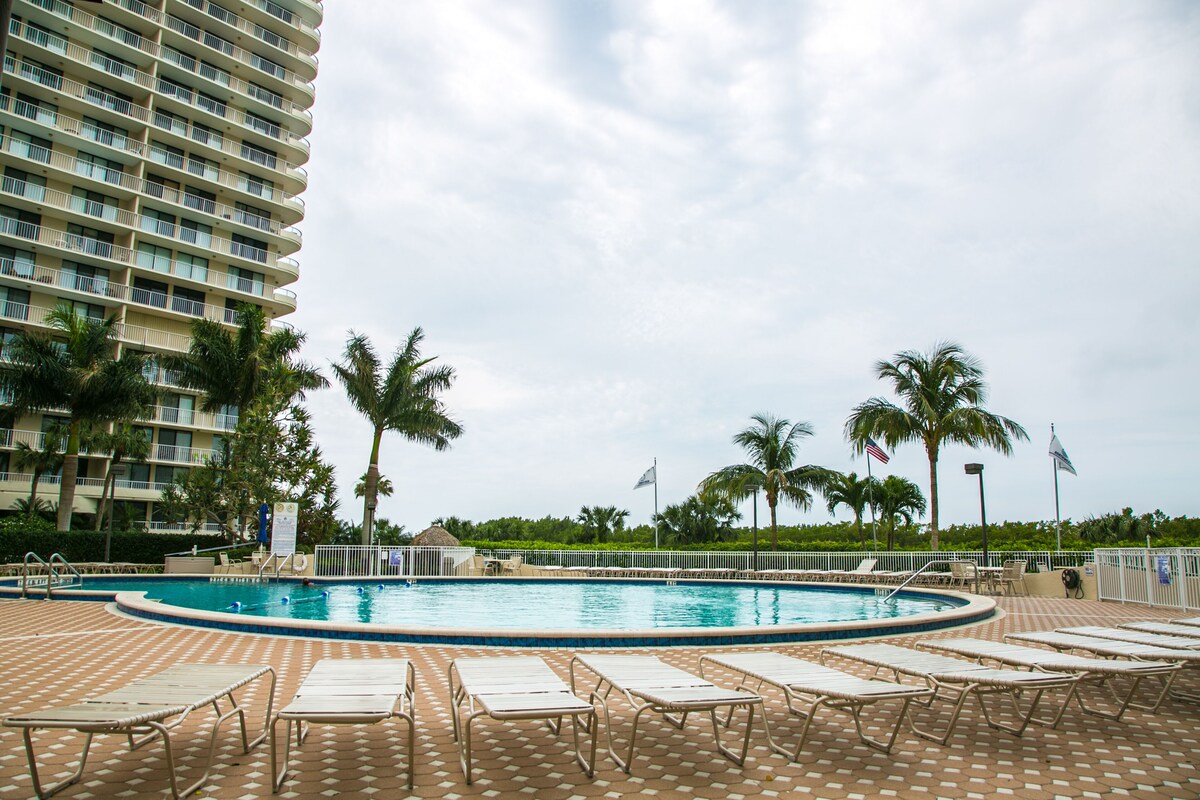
{"type": "Point", "coordinates": [973, 608]}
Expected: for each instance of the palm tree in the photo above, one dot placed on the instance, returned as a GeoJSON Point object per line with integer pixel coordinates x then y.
{"type": "Point", "coordinates": [699, 519]}
{"type": "Point", "coordinates": [856, 494]}
{"type": "Point", "coordinates": [383, 488]}
{"type": "Point", "coordinates": [123, 443]}
{"type": "Point", "coordinates": [602, 521]}
{"type": "Point", "coordinates": [898, 497]}
{"type": "Point", "coordinates": [404, 399]}
{"type": "Point", "coordinates": [771, 444]}
{"type": "Point", "coordinates": [232, 368]}
{"type": "Point", "coordinates": [39, 461]}
{"type": "Point", "coordinates": [942, 393]}
{"type": "Point", "coordinates": [78, 374]}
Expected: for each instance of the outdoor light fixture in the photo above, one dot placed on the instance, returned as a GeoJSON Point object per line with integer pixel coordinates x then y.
{"type": "Point", "coordinates": [977, 469]}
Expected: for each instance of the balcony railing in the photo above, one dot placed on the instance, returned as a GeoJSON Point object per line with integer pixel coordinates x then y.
{"type": "Point", "coordinates": [230, 50]}
{"type": "Point", "coordinates": [257, 31]}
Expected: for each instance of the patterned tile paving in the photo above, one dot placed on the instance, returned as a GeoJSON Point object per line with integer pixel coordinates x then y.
{"type": "Point", "coordinates": [59, 651]}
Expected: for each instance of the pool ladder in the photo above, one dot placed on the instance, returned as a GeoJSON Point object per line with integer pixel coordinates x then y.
{"type": "Point", "coordinates": [917, 574]}
{"type": "Point", "coordinates": [52, 576]}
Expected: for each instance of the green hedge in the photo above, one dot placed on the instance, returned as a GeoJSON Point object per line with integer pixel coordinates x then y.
{"type": "Point", "coordinates": [137, 547]}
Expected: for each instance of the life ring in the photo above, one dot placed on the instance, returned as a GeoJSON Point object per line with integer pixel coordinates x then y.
{"type": "Point", "coordinates": [299, 563]}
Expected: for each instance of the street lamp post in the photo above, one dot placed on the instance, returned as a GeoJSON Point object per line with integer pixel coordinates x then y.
{"type": "Point", "coordinates": [977, 469]}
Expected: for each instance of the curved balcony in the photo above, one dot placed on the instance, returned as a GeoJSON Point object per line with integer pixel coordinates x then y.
{"type": "Point", "coordinates": [190, 418]}
{"type": "Point", "coordinates": [123, 258]}
{"type": "Point", "coordinates": [125, 110]}
{"type": "Point", "coordinates": [175, 232]}
{"type": "Point", "coordinates": [257, 192]}
{"type": "Point", "coordinates": [143, 338]}
{"type": "Point", "coordinates": [107, 180]}
{"type": "Point", "coordinates": [225, 49]}
{"type": "Point", "coordinates": [290, 18]}
{"type": "Point", "coordinates": [230, 23]}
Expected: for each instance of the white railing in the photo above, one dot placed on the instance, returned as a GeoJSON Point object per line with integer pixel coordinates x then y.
{"type": "Point", "coordinates": [403, 562]}
{"type": "Point", "coordinates": [1158, 576]}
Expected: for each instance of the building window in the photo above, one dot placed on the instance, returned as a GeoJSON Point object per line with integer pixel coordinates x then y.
{"type": "Point", "coordinates": [104, 133]}
{"type": "Point", "coordinates": [83, 309]}
{"type": "Point", "coordinates": [246, 247]}
{"type": "Point", "coordinates": [150, 293]}
{"type": "Point", "coordinates": [83, 278]}
{"type": "Point", "coordinates": [21, 183]}
{"type": "Point", "coordinates": [252, 184]}
{"type": "Point", "coordinates": [244, 280]}
{"type": "Point", "coordinates": [93, 204]}
{"type": "Point", "coordinates": [190, 266]}
{"type": "Point", "coordinates": [17, 263]}
{"type": "Point", "coordinates": [200, 200]}
{"type": "Point", "coordinates": [187, 301]}
{"type": "Point", "coordinates": [15, 222]}
{"type": "Point", "coordinates": [160, 222]}
{"type": "Point", "coordinates": [195, 232]}
{"type": "Point", "coordinates": [34, 148]}
{"type": "Point", "coordinates": [154, 257]}
{"type": "Point", "coordinates": [14, 303]}
{"type": "Point", "coordinates": [102, 169]}
{"type": "Point", "coordinates": [255, 217]}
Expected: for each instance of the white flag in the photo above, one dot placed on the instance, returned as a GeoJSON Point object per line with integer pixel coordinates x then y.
{"type": "Point", "coordinates": [649, 477]}
{"type": "Point", "coordinates": [1061, 461]}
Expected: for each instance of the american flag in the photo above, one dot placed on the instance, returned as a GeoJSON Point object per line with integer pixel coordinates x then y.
{"type": "Point", "coordinates": [877, 451]}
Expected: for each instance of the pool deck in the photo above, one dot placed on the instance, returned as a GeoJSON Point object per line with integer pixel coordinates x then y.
{"type": "Point", "coordinates": [61, 651]}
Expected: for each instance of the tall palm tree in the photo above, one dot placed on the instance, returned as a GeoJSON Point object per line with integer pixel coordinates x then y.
{"type": "Point", "coordinates": [75, 371]}
{"type": "Point", "coordinates": [602, 520]}
{"type": "Point", "coordinates": [771, 444]}
{"type": "Point", "coordinates": [856, 494]}
{"type": "Point", "coordinates": [405, 398]}
{"type": "Point", "coordinates": [898, 497]}
{"type": "Point", "coordinates": [232, 368]}
{"type": "Point", "coordinates": [942, 394]}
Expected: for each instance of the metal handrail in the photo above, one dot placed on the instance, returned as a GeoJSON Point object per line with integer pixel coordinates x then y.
{"type": "Point", "coordinates": [51, 573]}
{"type": "Point", "coordinates": [280, 560]}
{"type": "Point", "coordinates": [917, 574]}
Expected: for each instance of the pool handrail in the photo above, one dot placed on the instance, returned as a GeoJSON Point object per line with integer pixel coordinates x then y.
{"type": "Point", "coordinates": [51, 573]}
{"type": "Point", "coordinates": [916, 574]}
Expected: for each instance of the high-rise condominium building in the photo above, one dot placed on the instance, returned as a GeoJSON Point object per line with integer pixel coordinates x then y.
{"type": "Point", "coordinates": [152, 158]}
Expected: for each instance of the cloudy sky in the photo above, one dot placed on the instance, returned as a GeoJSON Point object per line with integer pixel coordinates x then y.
{"type": "Point", "coordinates": [631, 225]}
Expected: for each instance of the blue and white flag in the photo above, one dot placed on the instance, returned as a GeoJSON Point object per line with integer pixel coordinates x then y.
{"type": "Point", "coordinates": [649, 477]}
{"type": "Point", "coordinates": [1061, 461]}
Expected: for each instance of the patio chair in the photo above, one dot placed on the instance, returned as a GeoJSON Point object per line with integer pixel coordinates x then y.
{"type": "Point", "coordinates": [960, 679]}
{"type": "Point", "coordinates": [512, 566]}
{"type": "Point", "coordinates": [860, 573]}
{"type": "Point", "coordinates": [1101, 671]}
{"type": "Point", "coordinates": [1164, 628]}
{"type": "Point", "coordinates": [1013, 572]}
{"type": "Point", "coordinates": [1137, 637]}
{"type": "Point", "coordinates": [1115, 649]}
{"type": "Point", "coordinates": [515, 688]}
{"type": "Point", "coordinates": [963, 574]}
{"type": "Point", "coordinates": [809, 687]}
{"type": "Point", "coordinates": [347, 691]}
{"type": "Point", "coordinates": [146, 709]}
{"type": "Point", "coordinates": [649, 685]}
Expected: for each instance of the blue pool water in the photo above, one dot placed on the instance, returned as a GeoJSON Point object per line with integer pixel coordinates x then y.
{"type": "Point", "coordinates": [550, 605]}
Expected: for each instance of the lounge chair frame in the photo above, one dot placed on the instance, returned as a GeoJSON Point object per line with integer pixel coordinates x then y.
{"type": "Point", "coordinates": [147, 709]}
{"type": "Point", "coordinates": [960, 681]}
{"type": "Point", "coordinates": [651, 686]}
{"type": "Point", "coordinates": [1099, 671]}
{"type": "Point", "coordinates": [515, 688]}
{"type": "Point", "coordinates": [347, 691]}
{"type": "Point", "coordinates": [809, 687]}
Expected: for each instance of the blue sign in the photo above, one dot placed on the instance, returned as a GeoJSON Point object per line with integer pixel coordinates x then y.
{"type": "Point", "coordinates": [262, 523]}
{"type": "Point", "coordinates": [1164, 570]}
{"type": "Point", "coordinates": [395, 558]}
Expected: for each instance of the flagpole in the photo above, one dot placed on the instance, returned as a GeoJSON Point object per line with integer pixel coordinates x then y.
{"type": "Point", "coordinates": [655, 502]}
{"type": "Point", "coordinates": [1057, 520]}
{"type": "Point", "coordinates": [871, 503]}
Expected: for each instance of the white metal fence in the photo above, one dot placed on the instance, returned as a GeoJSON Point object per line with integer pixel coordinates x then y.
{"type": "Point", "coordinates": [766, 559]}
{"type": "Point", "coordinates": [1158, 576]}
{"type": "Point", "coordinates": [356, 560]}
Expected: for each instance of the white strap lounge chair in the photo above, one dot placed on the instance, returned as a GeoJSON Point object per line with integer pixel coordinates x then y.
{"type": "Point", "coordinates": [1191, 622]}
{"type": "Point", "coordinates": [1138, 637]}
{"type": "Point", "coordinates": [147, 709]}
{"type": "Point", "coordinates": [515, 688]}
{"type": "Point", "coordinates": [961, 680]}
{"type": "Point", "coordinates": [649, 685]}
{"type": "Point", "coordinates": [347, 691]}
{"type": "Point", "coordinates": [1098, 670]}
{"type": "Point", "coordinates": [809, 687]}
{"type": "Point", "coordinates": [860, 573]}
{"type": "Point", "coordinates": [1165, 629]}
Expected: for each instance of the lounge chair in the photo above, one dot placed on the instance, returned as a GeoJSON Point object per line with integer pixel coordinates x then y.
{"type": "Point", "coordinates": [515, 688]}
{"type": "Point", "coordinates": [147, 709]}
{"type": "Point", "coordinates": [1191, 622]}
{"type": "Point", "coordinates": [1099, 670]}
{"type": "Point", "coordinates": [1138, 637]}
{"type": "Point", "coordinates": [809, 687]}
{"type": "Point", "coordinates": [1164, 628]}
{"type": "Point", "coordinates": [860, 573]}
{"type": "Point", "coordinates": [648, 684]}
{"type": "Point", "coordinates": [962, 680]}
{"type": "Point", "coordinates": [347, 691]}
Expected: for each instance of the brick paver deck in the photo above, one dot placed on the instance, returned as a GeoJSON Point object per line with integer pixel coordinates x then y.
{"type": "Point", "coordinates": [59, 651]}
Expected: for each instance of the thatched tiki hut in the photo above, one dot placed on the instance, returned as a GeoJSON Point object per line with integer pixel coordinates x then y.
{"type": "Point", "coordinates": [432, 562]}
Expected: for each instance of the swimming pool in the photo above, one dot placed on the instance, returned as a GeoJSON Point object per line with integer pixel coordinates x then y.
{"type": "Point", "coordinates": [540, 612]}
